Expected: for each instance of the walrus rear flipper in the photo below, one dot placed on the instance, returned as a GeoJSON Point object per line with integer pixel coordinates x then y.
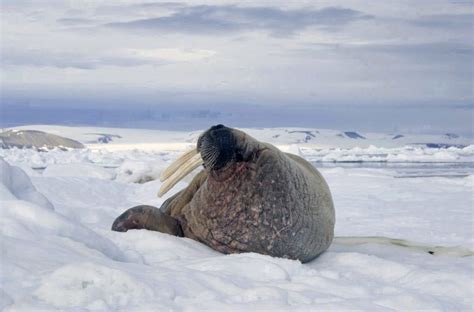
{"type": "Point", "coordinates": [149, 218]}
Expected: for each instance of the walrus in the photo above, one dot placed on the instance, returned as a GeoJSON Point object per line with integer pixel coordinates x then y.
{"type": "Point", "coordinates": [249, 197]}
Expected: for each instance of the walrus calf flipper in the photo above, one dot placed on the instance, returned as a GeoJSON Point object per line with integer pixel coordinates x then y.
{"type": "Point", "coordinates": [149, 218]}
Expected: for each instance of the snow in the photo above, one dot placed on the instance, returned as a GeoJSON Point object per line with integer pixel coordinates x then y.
{"type": "Point", "coordinates": [77, 170]}
{"type": "Point", "coordinates": [140, 171]}
{"type": "Point", "coordinates": [17, 185]}
{"type": "Point", "coordinates": [58, 252]}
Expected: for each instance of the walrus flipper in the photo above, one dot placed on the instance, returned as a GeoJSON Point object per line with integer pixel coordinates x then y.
{"type": "Point", "coordinates": [149, 218]}
{"type": "Point", "coordinates": [170, 202]}
{"type": "Point", "coordinates": [174, 205]}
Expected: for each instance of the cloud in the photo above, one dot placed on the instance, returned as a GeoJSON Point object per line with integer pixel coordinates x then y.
{"type": "Point", "coordinates": [441, 53]}
{"type": "Point", "coordinates": [118, 9]}
{"type": "Point", "coordinates": [210, 20]}
{"type": "Point", "coordinates": [159, 5]}
{"type": "Point", "coordinates": [177, 55]}
{"type": "Point", "coordinates": [120, 58]}
{"type": "Point", "coordinates": [283, 52]}
{"type": "Point", "coordinates": [446, 21]}
{"type": "Point", "coordinates": [422, 52]}
{"type": "Point", "coordinates": [73, 21]}
{"type": "Point", "coordinates": [44, 58]}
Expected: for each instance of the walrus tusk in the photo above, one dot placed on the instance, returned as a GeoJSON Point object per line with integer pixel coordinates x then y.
{"type": "Point", "coordinates": [177, 164]}
{"type": "Point", "coordinates": [185, 167]}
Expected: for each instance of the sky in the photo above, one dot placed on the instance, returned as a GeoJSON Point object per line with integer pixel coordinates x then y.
{"type": "Point", "coordinates": [404, 65]}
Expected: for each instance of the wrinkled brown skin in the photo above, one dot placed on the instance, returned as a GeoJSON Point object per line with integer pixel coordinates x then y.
{"type": "Point", "coordinates": [268, 202]}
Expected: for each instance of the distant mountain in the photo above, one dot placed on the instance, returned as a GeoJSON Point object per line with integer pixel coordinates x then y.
{"type": "Point", "coordinates": [124, 138]}
{"type": "Point", "coordinates": [35, 139]}
{"type": "Point", "coordinates": [309, 135]}
{"type": "Point", "coordinates": [104, 138]}
{"type": "Point", "coordinates": [352, 135]}
{"type": "Point", "coordinates": [451, 135]}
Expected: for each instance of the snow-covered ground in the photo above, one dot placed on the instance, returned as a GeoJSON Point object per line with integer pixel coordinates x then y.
{"type": "Point", "coordinates": [58, 253]}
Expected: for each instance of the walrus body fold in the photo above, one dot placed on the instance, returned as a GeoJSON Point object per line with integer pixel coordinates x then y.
{"type": "Point", "coordinates": [250, 197]}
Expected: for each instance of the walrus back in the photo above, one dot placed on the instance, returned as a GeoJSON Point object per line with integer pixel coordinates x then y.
{"type": "Point", "coordinates": [307, 203]}
{"type": "Point", "coordinates": [277, 206]}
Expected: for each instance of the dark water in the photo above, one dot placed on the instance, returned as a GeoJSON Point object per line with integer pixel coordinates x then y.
{"type": "Point", "coordinates": [410, 170]}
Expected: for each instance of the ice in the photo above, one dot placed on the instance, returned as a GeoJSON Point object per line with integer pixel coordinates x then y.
{"type": "Point", "coordinates": [15, 184]}
{"type": "Point", "coordinates": [68, 259]}
{"type": "Point", "coordinates": [140, 171]}
{"type": "Point", "coordinates": [394, 155]}
{"type": "Point", "coordinates": [78, 170]}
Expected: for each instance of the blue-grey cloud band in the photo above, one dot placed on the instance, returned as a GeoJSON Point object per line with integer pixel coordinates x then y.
{"type": "Point", "coordinates": [363, 57]}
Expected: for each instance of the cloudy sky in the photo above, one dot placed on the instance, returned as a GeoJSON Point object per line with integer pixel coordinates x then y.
{"type": "Point", "coordinates": [363, 57]}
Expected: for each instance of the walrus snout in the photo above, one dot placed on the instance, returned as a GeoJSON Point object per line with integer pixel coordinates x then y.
{"type": "Point", "coordinates": [217, 147]}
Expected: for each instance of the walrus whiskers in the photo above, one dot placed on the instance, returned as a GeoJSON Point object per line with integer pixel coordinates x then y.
{"type": "Point", "coordinates": [180, 173]}
{"type": "Point", "coordinates": [209, 153]}
{"type": "Point", "coordinates": [177, 164]}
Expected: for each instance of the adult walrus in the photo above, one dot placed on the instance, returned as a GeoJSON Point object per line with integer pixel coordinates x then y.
{"type": "Point", "coordinates": [250, 197]}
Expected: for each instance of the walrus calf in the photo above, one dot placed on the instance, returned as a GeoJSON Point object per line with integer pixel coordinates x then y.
{"type": "Point", "coordinates": [250, 197]}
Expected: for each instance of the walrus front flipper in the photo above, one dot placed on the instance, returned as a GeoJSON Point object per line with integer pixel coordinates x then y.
{"type": "Point", "coordinates": [149, 218]}
{"type": "Point", "coordinates": [171, 202]}
{"type": "Point", "coordinates": [175, 204]}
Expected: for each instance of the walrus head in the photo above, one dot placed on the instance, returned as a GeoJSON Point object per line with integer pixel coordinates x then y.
{"type": "Point", "coordinates": [217, 148]}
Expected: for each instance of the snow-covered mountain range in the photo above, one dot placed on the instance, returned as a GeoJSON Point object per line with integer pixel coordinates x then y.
{"type": "Point", "coordinates": [322, 138]}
